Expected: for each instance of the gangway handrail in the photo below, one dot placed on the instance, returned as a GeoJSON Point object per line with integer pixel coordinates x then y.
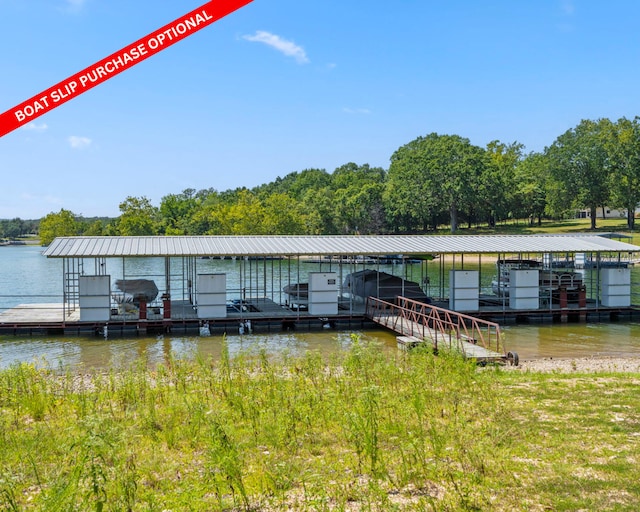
{"type": "Point", "coordinates": [439, 324]}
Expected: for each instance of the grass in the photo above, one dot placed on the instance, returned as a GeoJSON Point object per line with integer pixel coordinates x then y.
{"type": "Point", "coordinates": [522, 227]}
{"type": "Point", "coordinates": [362, 430]}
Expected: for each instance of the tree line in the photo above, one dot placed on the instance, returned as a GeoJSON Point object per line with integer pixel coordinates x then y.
{"type": "Point", "coordinates": [17, 227]}
{"type": "Point", "coordinates": [432, 181]}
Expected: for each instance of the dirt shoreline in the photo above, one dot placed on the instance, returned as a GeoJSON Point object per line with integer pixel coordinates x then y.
{"type": "Point", "coordinates": [617, 364]}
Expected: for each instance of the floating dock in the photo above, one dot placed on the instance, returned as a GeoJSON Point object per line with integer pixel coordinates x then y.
{"type": "Point", "coordinates": [448, 269]}
{"type": "Point", "coordinates": [263, 315]}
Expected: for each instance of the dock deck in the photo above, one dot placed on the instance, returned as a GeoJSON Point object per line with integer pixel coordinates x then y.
{"type": "Point", "coordinates": [29, 317]}
{"type": "Point", "coordinates": [38, 314]}
{"type": "Point", "coordinates": [260, 311]}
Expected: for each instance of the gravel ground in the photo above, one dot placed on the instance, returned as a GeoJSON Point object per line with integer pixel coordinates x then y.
{"type": "Point", "coordinates": [579, 364]}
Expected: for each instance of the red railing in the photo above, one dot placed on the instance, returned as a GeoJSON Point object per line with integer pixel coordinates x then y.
{"type": "Point", "coordinates": [412, 318]}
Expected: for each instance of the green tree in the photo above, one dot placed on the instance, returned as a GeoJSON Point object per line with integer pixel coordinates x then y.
{"type": "Point", "coordinates": [353, 175]}
{"type": "Point", "coordinates": [13, 228]}
{"type": "Point", "coordinates": [579, 168]}
{"type": "Point", "coordinates": [138, 217]}
{"type": "Point", "coordinates": [201, 217]}
{"type": "Point", "coordinates": [433, 174]}
{"type": "Point", "coordinates": [498, 181]}
{"type": "Point", "coordinates": [358, 195]}
{"type": "Point", "coordinates": [410, 196]}
{"type": "Point", "coordinates": [53, 225]}
{"type": "Point", "coordinates": [359, 209]}
{"type": "Point", "coordinates": [176, 211]}
{"type": "Point", "coordinates": [296, 184]}
{"type": "Point", "coordinates": [530, 197]}
{"type": "Point", "coordinates": [319, 208]}
{"type": "Point", "coordinates": [623, 148]}
{"type": "Point", "coordinates": [95, 228]}
{"type": "Point", "coordinates": [283, 215]}
{"type": "Point", "coordinates": [237, 213]}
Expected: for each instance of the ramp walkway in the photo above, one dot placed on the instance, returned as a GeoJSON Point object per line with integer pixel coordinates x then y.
{"type": "Point", "coordinates": [416, 322]}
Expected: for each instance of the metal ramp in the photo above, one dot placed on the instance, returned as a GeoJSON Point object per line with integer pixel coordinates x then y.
{"type": "Point", "coordinates": [416, 322]}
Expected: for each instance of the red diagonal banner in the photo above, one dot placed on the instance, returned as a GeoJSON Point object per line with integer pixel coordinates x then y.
{"type": "Point", "coordinates": [117, 62]}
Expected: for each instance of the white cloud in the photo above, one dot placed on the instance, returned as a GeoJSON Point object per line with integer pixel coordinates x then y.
{"type": "Point", "coordinates": [288, 48]}
{"type": "Point", "coordinates": [33, 127]}
{"type": "Point", "coordinates": [356, 110]}
{"type": "Point", "coordinates": [79, 142]}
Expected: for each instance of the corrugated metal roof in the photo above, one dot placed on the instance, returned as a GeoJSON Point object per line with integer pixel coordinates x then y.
{"type": "Point", "coordinates": [95, 246]}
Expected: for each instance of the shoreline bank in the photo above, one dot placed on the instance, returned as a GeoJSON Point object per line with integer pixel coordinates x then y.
{"type": "Point", "coordinates": [592, 364]}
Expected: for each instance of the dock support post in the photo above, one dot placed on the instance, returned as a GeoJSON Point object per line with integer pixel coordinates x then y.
{"type": "Point", "coordinates": [563, 298]}
{"type": "Point", "coordinates": [564, 316]}
{"type": "Point", "coordinates": [166, 306]}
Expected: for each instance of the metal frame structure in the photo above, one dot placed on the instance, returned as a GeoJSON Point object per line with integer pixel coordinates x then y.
{"type": "Point", "coordinates": [264, 264]}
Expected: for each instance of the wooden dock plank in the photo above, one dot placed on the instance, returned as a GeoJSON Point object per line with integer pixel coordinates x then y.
{"type": "Point", "coordinates": [411, 331]}
{"type": "Point", "coordinates": [41, 313]}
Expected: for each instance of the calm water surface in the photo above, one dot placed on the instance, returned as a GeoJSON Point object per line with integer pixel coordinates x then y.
{"type": "Point", "coordinates": [25, 272]}
{"type": "Point", "coordinates": [82, 353]}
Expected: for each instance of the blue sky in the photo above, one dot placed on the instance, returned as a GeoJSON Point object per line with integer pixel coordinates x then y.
{"type": "Point", "coordinates": [285, 85]}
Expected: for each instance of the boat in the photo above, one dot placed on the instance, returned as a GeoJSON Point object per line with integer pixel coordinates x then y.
{"type": "Point", "coordinates": [373, 283]}
{"type": "Point", "coordinates": [548, 280]}
{"type": "Point", "coordinates": [297, 291]}
{"type": "Point", "coordinates": [135, 291]}
{"type": "Point", "coordinates": [500, 282]}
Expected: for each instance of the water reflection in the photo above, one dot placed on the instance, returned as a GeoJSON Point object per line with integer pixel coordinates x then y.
{"type": "Point", "coordinates": [81, 354]}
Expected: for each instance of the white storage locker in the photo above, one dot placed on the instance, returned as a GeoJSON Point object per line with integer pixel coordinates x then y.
{"type": "Point", "coordinates": [615, 287]}
{"type": "Point", "coordinates": [524, 289]}
{"type": "Point", "coordinates": [323, 293]}
{"type": "Point", "coordinates": [211, 295]}
{"type": "Point", "coordinates": [464, 290]}
{"type": "Point", "coordinates": [94, 297]}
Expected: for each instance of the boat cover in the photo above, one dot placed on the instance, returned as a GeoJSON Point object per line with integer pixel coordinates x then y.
{"type": "Point", "coordinates": [139, 289]}
{"type": "Point", "coordinates": [371, 283]}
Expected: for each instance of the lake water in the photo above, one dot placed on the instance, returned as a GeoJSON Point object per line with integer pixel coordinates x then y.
{"type": "Point", "coordinates": [27, 276]}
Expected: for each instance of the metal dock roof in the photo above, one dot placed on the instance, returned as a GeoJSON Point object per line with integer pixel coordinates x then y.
{"type": "Point", "coordinates": [280, 245]}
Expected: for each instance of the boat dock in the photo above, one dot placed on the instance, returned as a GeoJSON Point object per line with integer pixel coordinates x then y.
{"type": "Point", "coordinates": [261, 314]}
{"type": "Point", "coordinates": [163, 283]}
{"type": "Point", "coordinates": [267, 315]}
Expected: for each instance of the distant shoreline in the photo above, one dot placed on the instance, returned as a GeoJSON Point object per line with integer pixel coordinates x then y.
{"type": "Point", "coordinates": [19, 243]}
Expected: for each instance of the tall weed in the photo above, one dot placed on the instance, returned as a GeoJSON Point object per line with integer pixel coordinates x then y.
{"type": "Point", "coordinates": [358, 429]}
